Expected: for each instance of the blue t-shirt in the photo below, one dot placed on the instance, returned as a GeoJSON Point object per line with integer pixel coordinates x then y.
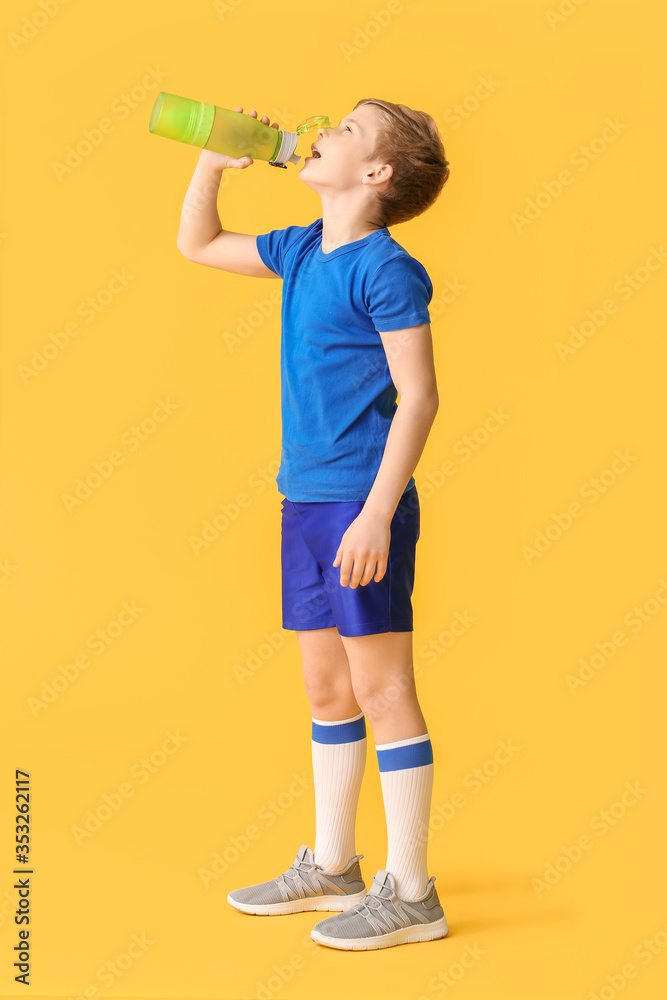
{"type": "Point", "coordinates": [337, 395]}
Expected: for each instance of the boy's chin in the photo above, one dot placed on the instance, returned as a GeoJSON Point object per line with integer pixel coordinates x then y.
{"type": "Point", "coordinates": [307, 179]}
{"type": "Point", "coordinates": [311, 176]}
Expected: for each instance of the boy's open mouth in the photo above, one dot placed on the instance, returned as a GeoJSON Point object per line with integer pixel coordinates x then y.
{"type": "Point", "coordinates": [316, 153]}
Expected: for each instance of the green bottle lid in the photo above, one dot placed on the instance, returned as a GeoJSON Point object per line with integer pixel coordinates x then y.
{"type": "Point", "coordinates": [182, 119]}
{"type": "Point", "coordinates": [310, 124]}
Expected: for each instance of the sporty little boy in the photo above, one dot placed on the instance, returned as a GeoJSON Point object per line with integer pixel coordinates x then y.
{"type": "Point", "coordinates": [355, 333]}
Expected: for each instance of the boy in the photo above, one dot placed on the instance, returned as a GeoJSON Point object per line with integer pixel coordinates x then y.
{"type": "Point", "coordinates": [355, 330]}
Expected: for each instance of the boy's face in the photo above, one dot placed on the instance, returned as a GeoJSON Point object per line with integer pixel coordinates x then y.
{"type": "Point", "coordinates": [341, 165]}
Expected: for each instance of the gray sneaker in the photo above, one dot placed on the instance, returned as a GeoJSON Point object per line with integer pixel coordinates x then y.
{"type": "Point", "coordinates": [384, 919]}
{"type": "Point", "coordinates": [304, 886]}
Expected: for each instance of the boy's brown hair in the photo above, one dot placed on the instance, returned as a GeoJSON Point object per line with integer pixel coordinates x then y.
{"type": "Point", "coordinates": [409, 140]}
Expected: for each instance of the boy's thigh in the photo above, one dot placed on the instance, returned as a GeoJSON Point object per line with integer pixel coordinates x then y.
{"type": "Point", "coordinates": [322, 651]}
{"type": "Point", "coordinates": [326, 670]}
{"type": "Point", "coordinates": [381, 665]}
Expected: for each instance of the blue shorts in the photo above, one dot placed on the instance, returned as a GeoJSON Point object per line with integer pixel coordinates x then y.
{"type": "Point", "coordinates": [312, 594]}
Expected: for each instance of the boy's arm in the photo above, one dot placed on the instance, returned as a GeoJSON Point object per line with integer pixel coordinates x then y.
{"type": "Point", "coordinates": [201, 237]}
{"type": "Point", "coordinates": [410, 361]}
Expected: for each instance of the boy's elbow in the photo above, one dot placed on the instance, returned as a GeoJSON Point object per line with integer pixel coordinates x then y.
{"type": "Point", "coordinates": [185, 251]}
{"type": "Point", "coordinates": [425, 401]}
{"type": "Point", "coordinates": [429, 399]}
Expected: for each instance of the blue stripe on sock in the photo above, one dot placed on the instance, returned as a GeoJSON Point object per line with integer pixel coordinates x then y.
{"type": "Point", "coordinates": [411, 755]}
{"type": "Point", "coordinates": [346, 732]}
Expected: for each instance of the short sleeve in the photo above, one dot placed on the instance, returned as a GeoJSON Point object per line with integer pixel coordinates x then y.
{"type": "Point", "coordinates": [272, 247]}
{"type": "Point", "coordinates": [398, 294]}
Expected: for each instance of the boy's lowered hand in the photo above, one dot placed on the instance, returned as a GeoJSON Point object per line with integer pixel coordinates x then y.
{"type": "Point", "coordinates": [364, 544]}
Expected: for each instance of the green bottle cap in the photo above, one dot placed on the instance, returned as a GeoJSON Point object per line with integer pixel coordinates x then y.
{"type": "Point", "coordinates": [310, 124]}
{"type": "Point", "coordinates": [182, 119]}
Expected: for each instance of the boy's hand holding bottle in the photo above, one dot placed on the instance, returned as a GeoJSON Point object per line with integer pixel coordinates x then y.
{"type": "Point", "coordinates": [220, 160]}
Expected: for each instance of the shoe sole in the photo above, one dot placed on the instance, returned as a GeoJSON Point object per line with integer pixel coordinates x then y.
{"type": "Point", "coordinates": [403, 935]}
{"type": "Point", "coordinates": [343, 902]}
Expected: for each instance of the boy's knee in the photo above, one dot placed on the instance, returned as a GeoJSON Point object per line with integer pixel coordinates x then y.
{"type": "Point", "coordinates": [330, 699]}
{"type": "Point", "coordinates": [376, 699]}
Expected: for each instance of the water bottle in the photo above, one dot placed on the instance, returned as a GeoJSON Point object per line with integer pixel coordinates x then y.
{"type": "Point", "coordinates": [229, 132]}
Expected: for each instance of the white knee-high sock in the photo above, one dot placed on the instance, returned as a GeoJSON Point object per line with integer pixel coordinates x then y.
{"type": "Point", "coordinates": [406, 775]}
{"type": "Point", "coordinates": [339, 758]}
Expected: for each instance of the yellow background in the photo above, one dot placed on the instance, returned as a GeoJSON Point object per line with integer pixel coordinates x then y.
{"type": "Point", "coordinates": [550, 87]}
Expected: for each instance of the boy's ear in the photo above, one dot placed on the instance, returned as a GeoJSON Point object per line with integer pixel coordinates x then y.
{"type": "Point", "coordinates": [378, 175]}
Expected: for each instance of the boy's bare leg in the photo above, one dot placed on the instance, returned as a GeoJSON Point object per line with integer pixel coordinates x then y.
{"type": "Point", "coordinates": [326, 674]}
{"type": "Point", "coordinates": [338, 747]}
{"type": "Point", "coordinates": [383, 682]}
{"type": "Point", "coordinates": [384, 685]}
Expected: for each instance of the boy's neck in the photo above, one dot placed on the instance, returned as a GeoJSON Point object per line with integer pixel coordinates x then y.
{"type": "Point", "coordinates": [340, 228]}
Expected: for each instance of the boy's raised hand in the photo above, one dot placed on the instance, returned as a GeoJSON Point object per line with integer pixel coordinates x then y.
{"type": "Point", "coordinates": [222, 161]}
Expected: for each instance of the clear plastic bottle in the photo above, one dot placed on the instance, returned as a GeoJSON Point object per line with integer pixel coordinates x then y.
{"type": "Point", "coordinates": [229, 132]}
